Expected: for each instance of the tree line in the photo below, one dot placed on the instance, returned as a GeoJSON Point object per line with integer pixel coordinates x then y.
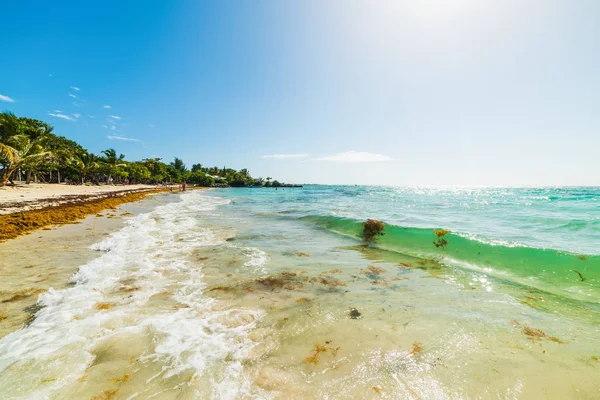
{"type": "Point", "coordinates": [29, 149]}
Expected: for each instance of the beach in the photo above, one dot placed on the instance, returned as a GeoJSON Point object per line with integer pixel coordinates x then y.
{"type": "Point", "coordinates": [25, 197]}
{"type": "Point", "coordinates": [256, 293]}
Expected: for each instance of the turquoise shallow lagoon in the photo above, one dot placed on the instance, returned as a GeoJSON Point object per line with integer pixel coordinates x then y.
{"type": "Point", "coordinates": [263, 293]}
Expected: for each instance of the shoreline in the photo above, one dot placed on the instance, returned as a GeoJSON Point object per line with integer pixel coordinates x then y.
{"type": "Point", "coordinates": [33, 213]}
{"type": "Point", "coordinates": [34, 196]}
{"type": "Point", "coordinates": [50, 257]}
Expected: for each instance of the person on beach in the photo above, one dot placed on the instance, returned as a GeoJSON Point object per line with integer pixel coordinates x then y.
{"type": "Point", "coordinates": [183, 186]}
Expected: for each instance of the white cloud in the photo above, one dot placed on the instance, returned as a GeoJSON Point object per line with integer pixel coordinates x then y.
{"type": "Point", "coordinates": [91, 116]}
{"type": "Point", "coordinates": [123, 138]}
{"type": "Point", "coordinates": [150, 125]}
{"type": "Point", "coordinates": [356, 157]}
{"type": "Point", "coordinates": [63, 116]}
{"type": "Point", "coordinates": [6, 98]}
{"type": "Point", "coordinates": [57, 111]}
{"type": "Point", "coordinates": [75, 88]}
{"type": "Point", "coordinates": [77, 115]}
{"type": "Point", "coordinates": [107, 107]}
{"type": "Point", "coordinates": [113, 127]}
{"type": "Point", "coordinates": [72, 95]}
{"type": "Point", "coordinates": [104, 126]}
{"type": "Point", "coordinates": [114, 117]}
{"type": "Point", "coordinates": [284, 156]}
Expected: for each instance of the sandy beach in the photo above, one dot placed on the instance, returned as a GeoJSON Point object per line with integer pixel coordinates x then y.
{"type": "Point", "coordinates": [37, 195]}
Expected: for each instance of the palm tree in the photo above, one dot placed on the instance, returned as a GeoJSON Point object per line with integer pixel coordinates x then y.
{"type": "Point", "coordinates": [85, 163]}
{"type": "Point", "coordinates": [22, 145]}
{"type": "Point", "coordinates": [112, 161]}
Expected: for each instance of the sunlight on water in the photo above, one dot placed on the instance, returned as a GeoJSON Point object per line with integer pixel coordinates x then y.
{"type": "Point", "coordinates": [238, 294]}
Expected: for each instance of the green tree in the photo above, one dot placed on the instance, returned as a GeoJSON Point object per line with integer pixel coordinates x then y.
{"type": "Point", "coordinates": [200, 178]}
{"type": "Point", "coordinates": [196, 167]}
{"type": "Point", "coordinates": [138, 172]}
{"type": "Point", "coordinates": [22, 145]}
{"type": "Point", "coordinates": [178, 165]}
{"type": "Point", "coordinates": [113, 163]}
{"type": "Point", "coordinates": [86, 164]}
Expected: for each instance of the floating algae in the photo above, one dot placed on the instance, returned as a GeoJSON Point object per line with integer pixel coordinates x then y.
{"type": "Point", "coordinates": [441, 241]}
{"type": "Point", "coordinates": [315, 357]}
{"type": "Point", "coordinates": [107, 394]}
{"type": "Point", "coordinates": [104, 306]}
{"type": "Point", "coordinates": [535, 333]}
{"type": "Point", "coordinates": [23, 294]}
{"type": "Point", "coordinates": [372, 270]}
{"type": "Point", "coordinates": [303, 300]}
{"type": "Point", "coordinates": [354, 313]}
{"type": "Point", "coordinates": [417, 347]}
{"type": "Point", "coordinates": [124, 379]}
{"type": "Point", "coordinates": [372, 229]}
{"type": "Point", "coordinates": [581, 278]}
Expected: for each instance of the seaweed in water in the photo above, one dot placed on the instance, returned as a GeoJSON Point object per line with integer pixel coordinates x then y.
{"type": "Point", "coordinates": [105, 306]}
{"type": "Point", "coordinates": [23, 294]}
{"type": "Point", "coordinates": [354, 313]}
{"type": "Point", "coordinates": [124, 379]}
{"type": "Point", "coordinates": [315, 357]}
{"type": "Point", "coordinates": [580, 276]}
{"type": "Point", "coordinates": [372, 229]}
{"type": "Point", "coordinates": [441, 241]}
{"type": "Point", "coordinates": [107, 394]}
{"type": "Point", "coordinates": [372, 270]}
{"type": "Point", "coordinates": [533, 332]}
{"type": "Point", "coordinates": [417, 347]}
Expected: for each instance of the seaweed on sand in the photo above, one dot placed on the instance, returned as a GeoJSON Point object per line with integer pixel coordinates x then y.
{"type": "Point", "coordinates": [15, 224]}
{"type": "Point", "coordinates": [354, 313]}
{"type": "Point", "coordinates": [372, 229]}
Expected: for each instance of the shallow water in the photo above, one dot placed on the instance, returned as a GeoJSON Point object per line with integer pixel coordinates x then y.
{"type": "Point", "coordinates": [269, 294]}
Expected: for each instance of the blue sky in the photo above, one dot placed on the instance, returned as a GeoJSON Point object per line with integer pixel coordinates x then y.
{"type": "Point", "coordinates": [410, 93]}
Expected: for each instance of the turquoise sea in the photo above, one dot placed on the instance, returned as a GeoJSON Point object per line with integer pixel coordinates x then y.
{"type": "Point", "coordinates": [272, 294]}
{"type": "Point", "coordinates": [543, 238]}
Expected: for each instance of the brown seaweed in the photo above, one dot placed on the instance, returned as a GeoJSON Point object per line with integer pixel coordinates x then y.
{"type": "Point", "coordinates": [372, 229]}
{"type": "Point", "coordinates": [16, 224]}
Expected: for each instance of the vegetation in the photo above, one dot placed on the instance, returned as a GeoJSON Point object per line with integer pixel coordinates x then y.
{"type": "Point", "coordinates": [441, 241]}
{"type": "Point", "coordinates": [16, 224]}
{"type": "Point", "coordinates": [372, 229]}
{"type": "Point", "coordinates": [29, 149]}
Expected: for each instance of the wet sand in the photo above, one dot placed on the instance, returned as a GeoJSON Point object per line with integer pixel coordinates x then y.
{"type": "Point", "coordinates": [48, 258]}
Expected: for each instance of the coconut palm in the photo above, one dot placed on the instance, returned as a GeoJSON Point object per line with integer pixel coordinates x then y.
{"type": "Point", "coordinates": [113, 162]}
{"type": "Point", "coordinates": [85, 163]}
{"type": "Point", "coordinates": [22, 145]}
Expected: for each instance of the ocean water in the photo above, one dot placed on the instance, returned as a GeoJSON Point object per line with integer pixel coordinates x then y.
{"type": "Point", "coordinates": [263, 293]}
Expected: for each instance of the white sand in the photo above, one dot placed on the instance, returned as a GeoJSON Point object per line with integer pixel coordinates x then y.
{"type": "Point", "coordinates": [35, 195]}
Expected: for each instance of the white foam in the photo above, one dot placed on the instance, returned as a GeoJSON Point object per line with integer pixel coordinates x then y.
{"type": "Point", "coordinates": [149, 250]}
